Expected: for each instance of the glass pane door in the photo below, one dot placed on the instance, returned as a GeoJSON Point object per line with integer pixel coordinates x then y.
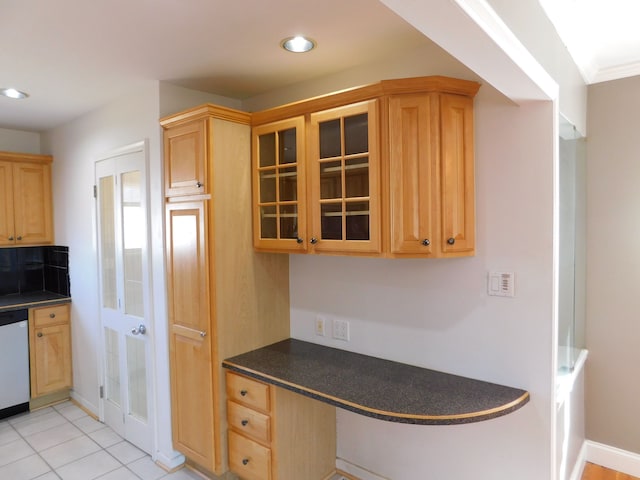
{"type": "Point", "coordinates": [122, 247]}
{"type": "Point", "coordinates": [279, 184]}
{"type": "Point", "coordinates": [345, 178]}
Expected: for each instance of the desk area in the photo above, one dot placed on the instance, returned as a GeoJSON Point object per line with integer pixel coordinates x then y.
{"type": "Point", "coordinates": [375, 387]}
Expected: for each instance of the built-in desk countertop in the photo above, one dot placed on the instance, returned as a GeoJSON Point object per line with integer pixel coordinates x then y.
{"type": "Point", "coordinates": [375, 387]}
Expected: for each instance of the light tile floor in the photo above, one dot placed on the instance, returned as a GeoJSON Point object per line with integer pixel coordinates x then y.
{"type": "Point", "coordinates": [63, 442]}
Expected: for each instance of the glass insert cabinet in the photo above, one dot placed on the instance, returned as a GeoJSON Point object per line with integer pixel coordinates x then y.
{"type": "Point", "coordinates": [321, 200]}
{"type": "Point", "coordinates": [338, 174]}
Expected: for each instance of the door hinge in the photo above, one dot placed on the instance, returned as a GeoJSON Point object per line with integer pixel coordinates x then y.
{"type": "Point", "coordinates": [95, 191]}
{"type": "Point", "coordinates": [101, 391]}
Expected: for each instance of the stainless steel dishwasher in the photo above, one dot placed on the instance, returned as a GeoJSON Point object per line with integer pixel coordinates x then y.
{"type": "Point", "coordinates": [14, 362]}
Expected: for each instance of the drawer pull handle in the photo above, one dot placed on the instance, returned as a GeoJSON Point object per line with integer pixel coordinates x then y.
{"type": "Point", "coordinates": [245, 461]}
{"type": "Point", "coordinates": [39, 334]}
{"type": "Point", "coordinates": [52, 315]}
{"type": "Point", "coordinates": [244, 423]}
{"type": "Point", "coordinates": [243, 393]}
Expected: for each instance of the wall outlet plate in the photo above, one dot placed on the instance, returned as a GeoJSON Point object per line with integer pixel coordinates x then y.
{"type": "Point", "coordinates": [341, 329]}
{"type": "Point", "coordinates": [319, 325]}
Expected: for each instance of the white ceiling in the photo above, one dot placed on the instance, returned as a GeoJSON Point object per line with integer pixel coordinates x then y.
{"type": "Point", "coordinates": [602, 36]}
{"type": "Point", "coordinates": [73, 56]}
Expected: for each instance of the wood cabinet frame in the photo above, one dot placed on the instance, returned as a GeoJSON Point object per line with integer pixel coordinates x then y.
{"type": "Point", "coordinates": [26, 212]}
{"type": "Point", "coordinates": [426, 191]}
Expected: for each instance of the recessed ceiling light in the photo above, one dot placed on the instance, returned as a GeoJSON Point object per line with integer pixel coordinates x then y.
{"type": "Point", "coordinates": [12, 93]}
{"type": "Point", "coordinates": [298, 44]}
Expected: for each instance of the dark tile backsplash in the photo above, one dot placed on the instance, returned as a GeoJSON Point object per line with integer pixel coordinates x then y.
{"type": "Point", "coordinates": [32, 269]}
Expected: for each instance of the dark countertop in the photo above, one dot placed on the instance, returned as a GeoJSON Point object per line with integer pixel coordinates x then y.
{"type": "Point", "coordinates": [32, 299]}
{"type": "Point", "coordinates": [375, 387]}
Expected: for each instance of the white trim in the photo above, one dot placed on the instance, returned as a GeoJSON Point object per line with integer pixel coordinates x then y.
{"type": "Point", "coordinates": [168, 463]}
{"type": "Point", "coordinates": [612, 457]}
{"type": "Point", "coordinates": [614, 73]}
{"type": "Point", "coordinates": [357, 471]}
{"type": "Point", "coordinates": [578, 468]}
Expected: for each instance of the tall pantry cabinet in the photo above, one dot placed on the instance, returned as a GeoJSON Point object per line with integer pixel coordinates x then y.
{"type": "Point", "coordinates": [224, 299]}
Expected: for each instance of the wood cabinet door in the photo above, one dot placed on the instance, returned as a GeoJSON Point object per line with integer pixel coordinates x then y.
{"type": "Point", "coordinates": [457, 189]}
{"type": "Point", "coordinates": [279, 189]}
{"type": "Point", "coordinates": [7, 229]}
{"type": "Point", "coordinates": [52, 355]}
{"type": "Point", "coordinates": [190, 349]}
{"type": "Point", "coordinates": [185, 167]}
{"type": "Point", "coordinates": [344, 179]}
{"type": "Point", "coordinates": [32, 203]}
{"type": "Point", "coordinates": [413, 153]}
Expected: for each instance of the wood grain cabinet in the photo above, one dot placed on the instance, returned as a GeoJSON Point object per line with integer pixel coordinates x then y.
{"type": "Point", "coordinates": [50, 349]}
{"type": "Point", "coordinates": [275, 434]}
{"type": "Point", "coordinates": [223, 297]}
{"type": "Point", "coordinates": [26, 216]}
{"type": "Point", "coordinates": [387, 170]}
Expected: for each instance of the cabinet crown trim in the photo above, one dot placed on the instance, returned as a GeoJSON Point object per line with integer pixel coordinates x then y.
{"type": "Point", "coordinates": [25, 157]}
{"type": "Point", "coordinates": [208, 110]}
{"type": "Point", "coordinates": [436, 83]}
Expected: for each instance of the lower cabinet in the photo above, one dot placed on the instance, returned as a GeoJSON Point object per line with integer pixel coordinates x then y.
{"type": "Point", "coordinates": [50, 350]}
{"type": "Point", "coordinates": [275, 434]}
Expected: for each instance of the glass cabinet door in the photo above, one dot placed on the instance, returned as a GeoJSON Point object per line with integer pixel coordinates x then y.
{"type": "Point", "coordinates": [344, 173]}
{"type": "Point", "coordinates": [279, 186]}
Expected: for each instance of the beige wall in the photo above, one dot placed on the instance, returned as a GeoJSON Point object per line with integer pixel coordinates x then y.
{"type": "Point", "coordinates": [613, 264]}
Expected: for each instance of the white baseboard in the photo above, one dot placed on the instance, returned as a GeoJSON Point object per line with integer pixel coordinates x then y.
{"type": "Point", "coordinates": [612, 457]}
{"type": "Point", "coordinates": [84, 402]}
{"type": "Point", "coordinates": [357, 471]}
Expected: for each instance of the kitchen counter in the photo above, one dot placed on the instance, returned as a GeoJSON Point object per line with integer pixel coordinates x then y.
{"type": "Point", "coordinates": [377, 388]}
{"type": "Point", "coordinates": [32, 299]}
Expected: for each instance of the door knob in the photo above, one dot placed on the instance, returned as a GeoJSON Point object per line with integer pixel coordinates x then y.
{"type": "Point", "coordinates": [139, 330]}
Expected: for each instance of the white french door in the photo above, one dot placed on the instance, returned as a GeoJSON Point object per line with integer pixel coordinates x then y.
{"type": "Point", "coordinates": [123, 254]}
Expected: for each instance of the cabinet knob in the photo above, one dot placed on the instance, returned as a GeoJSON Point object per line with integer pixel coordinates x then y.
{"type": "Point", "coordinates": [52, 315]}
{"type": "Point", "coordinates": [426, 242]}
{"type": "Point", "coordinates": [243, 393]}
{"type": "Point", "coordinates": [10, 239]}
{"type": "Point", "coordinates": [199, 184]}
{"type": "Point", "coordinates": [245, 461]}
{"type": "Point", "coordinates": [244, 423]}
{"type": "Point", "coordinates": [314, 240]}
{"type": "Point", "coordinates": [451, 241]}
{"type": "Point", "coordinates": [203, 334]}
{"type": "Point", "coordinates": [39, 334]}
{"type": "Point", "coordinates": [19, 237]}
{"type": "Point", "coordinates": [299, 240]}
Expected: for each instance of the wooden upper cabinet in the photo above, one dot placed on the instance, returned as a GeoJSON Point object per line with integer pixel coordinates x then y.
{"type": "Point", "coordinates": [279, 186]}
{"type": "Point", "coordinates": [457, 178]}
{"type": "Point", "coordinates": [7, 229]}
{"type": "Point", "coordinates": [26, 213]}
{"type": "Point", "coordinates": [344, 179]}
{"type": "Point", "coordinates": [185, 148]}
{"type": "Point", "coordinates": [389, 171]}
{"type": "Point", "coordinates": [413, 153]}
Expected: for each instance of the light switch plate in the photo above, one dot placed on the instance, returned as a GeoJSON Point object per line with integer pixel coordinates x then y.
{"type": "Point", "coordinates": [501, 284]}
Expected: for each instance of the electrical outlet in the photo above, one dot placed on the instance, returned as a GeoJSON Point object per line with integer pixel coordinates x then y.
{"type": "Point", "coordinates": [341, 329]}
{"type": "Point", "coordinates": [319, 325]}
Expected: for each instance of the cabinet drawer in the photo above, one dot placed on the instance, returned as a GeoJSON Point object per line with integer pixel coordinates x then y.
{"type": "Point", "coordinates": [249, 422]}
{"type": "Point", "coordinates": [249, 392]}
{"type": "Point", "coordinates": [249, 459]}
{"type": "Point", "coordinates": [50, 315]}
